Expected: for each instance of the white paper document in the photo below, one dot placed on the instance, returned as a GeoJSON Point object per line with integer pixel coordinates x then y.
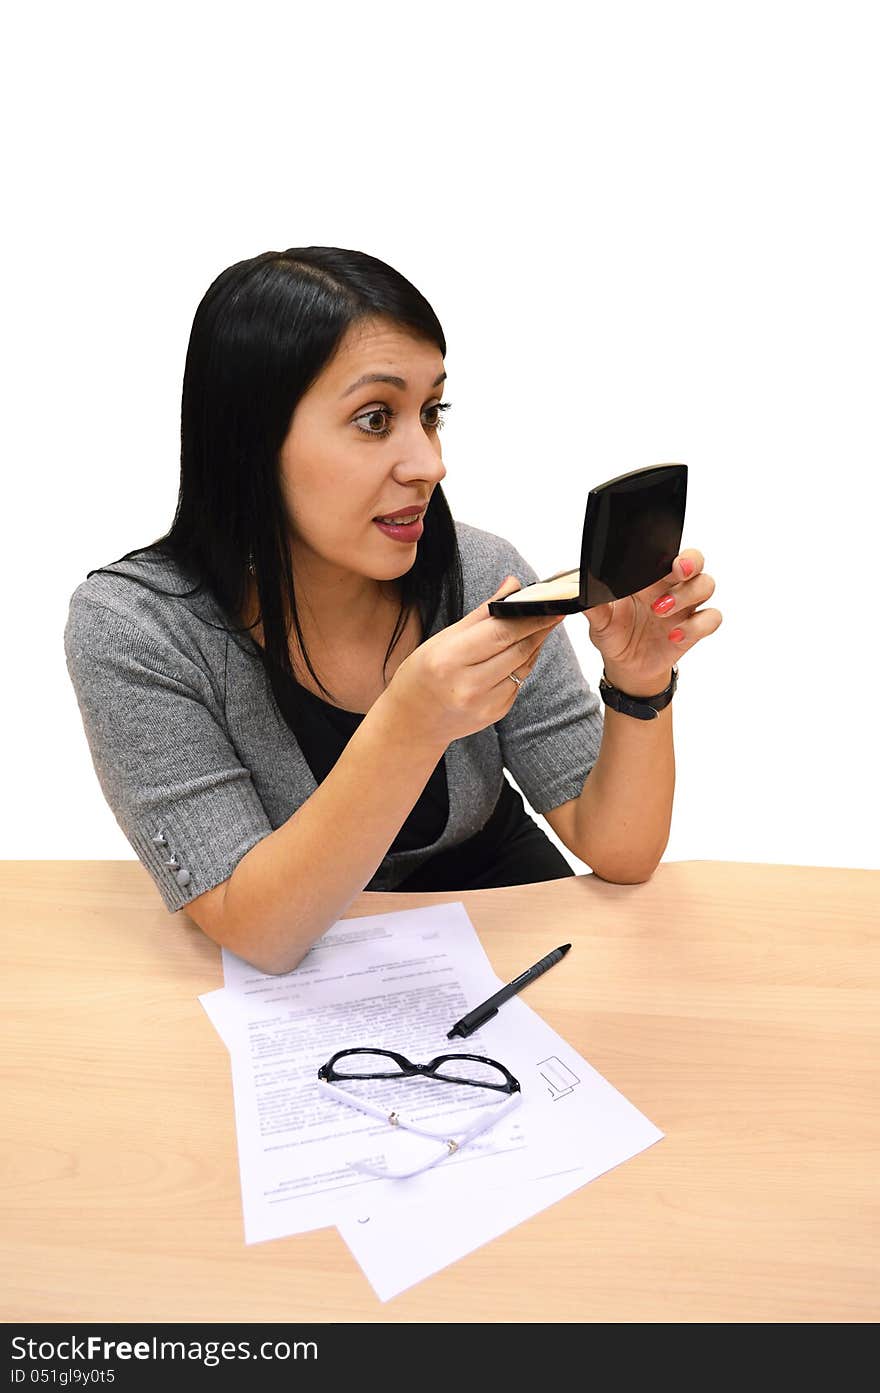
{"type": "Point", "coordinates": [395, 981]}
{"type": "Point", "coordinates": [592, 1128]}
{"type": "Point", "coordinates": [399, 981]}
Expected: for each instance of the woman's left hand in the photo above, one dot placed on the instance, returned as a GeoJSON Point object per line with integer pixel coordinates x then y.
{"type": "Point", "coordinates": [642, 635]}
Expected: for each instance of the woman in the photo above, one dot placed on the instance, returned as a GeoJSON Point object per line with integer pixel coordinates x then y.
{"type": "Point", "coordinates": [298, 693]}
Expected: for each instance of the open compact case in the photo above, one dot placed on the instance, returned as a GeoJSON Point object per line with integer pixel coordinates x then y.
{"type": "Point", "coordinates": [632, 535]}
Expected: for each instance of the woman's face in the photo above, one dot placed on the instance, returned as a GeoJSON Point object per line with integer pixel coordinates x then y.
{"type": "Point", "coordinates": [357, 451]}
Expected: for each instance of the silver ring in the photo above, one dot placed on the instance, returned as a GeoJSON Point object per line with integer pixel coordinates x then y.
{"type": "Point", "coordinates": [513, 677]}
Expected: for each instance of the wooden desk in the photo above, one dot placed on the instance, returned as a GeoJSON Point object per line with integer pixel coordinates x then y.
{"type": "Point", "coordinates": [736, 1005]}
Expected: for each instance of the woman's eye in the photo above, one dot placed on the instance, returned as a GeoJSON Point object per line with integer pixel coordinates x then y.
{"type": "Point", "coordinates": [371, 417]}
{"type": "Point", "coordinates": [379, 411]}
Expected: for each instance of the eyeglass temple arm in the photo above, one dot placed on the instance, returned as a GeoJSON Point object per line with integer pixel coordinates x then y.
{"type": "Point", "coordinates": [450, 1147]}
{"type": "Point", "coordinates": [372, 1111]}
{"type": "Point", "coordinates": [341, 1096]}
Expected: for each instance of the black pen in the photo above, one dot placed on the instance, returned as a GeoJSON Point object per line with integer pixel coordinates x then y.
{"type": "Point", "coordinates": [481, 1014]}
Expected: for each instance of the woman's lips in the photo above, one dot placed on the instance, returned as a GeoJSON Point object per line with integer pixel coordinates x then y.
{"type": "Point", "coordinates": [412, 510]}
{"type": "Point", "coordinates": [402, 532]}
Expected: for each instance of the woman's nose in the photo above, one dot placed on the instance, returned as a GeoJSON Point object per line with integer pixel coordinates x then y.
{"type": "Point", "coordinates": [421, 462]}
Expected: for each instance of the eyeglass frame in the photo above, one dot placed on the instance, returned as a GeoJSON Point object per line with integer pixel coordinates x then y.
{"type": "Point", "coordinates": [407, 1069]}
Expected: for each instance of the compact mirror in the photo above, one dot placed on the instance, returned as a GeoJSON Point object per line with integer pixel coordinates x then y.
{"type": "Point", "coordinates": [632, 534]}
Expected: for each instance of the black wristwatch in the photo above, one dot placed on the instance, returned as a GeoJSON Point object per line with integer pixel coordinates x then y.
{"type": "Point", "coordinates": [643, 708]}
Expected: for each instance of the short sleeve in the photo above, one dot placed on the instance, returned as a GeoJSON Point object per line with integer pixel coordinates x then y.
{"type": "Point", "coordinates": [166, 767]}
{"type": "Point", "coordinates": [550, 737]}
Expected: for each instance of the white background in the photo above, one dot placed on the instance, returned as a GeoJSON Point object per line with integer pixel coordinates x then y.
{"type": "Point", "coordinates": [650, 231]}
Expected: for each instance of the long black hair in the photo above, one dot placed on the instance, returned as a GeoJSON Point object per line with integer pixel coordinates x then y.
{"type": "Point", "coordinates": [262, 334]}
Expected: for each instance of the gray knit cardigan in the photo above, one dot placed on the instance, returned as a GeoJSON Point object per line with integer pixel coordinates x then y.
{"type": "Point", "coordinates": [197, 764]}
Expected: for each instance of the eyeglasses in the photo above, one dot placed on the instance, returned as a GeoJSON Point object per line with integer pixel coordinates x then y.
{"type": "Point", "coordinates": [470, 1070]}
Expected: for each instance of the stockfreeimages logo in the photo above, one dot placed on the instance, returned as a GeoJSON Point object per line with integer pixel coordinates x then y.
{"type": "Point", "coordinates": [91, 1348]}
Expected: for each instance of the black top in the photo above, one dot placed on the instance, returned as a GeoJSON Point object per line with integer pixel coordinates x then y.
{"type": "Point", "coordinates": [509, 850]}
{"type": "Point", "coordinates": [325, 732]}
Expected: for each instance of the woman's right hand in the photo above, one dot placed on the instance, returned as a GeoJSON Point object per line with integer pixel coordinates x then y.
{"type": "Point", "coordinates": [458, 681]}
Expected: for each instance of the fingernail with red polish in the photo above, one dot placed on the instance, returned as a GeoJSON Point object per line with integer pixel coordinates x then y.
{"type": "Point", "coordinates": [676, 635]}
{"type": "Point", "coordinates": [663, 605]}
{"type": "Point", "coordinates": [686, 566]}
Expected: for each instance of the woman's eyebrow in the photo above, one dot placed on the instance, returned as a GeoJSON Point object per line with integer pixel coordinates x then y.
{"type": "Point", "coordinates": [383, 377]}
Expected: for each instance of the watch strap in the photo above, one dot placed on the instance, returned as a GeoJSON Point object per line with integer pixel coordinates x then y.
{"type": "Point", "coordinates": [642, 708]}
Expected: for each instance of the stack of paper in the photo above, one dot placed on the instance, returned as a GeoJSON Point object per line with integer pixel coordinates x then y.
{"type": "Point", "coordinates": [399, 981]}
